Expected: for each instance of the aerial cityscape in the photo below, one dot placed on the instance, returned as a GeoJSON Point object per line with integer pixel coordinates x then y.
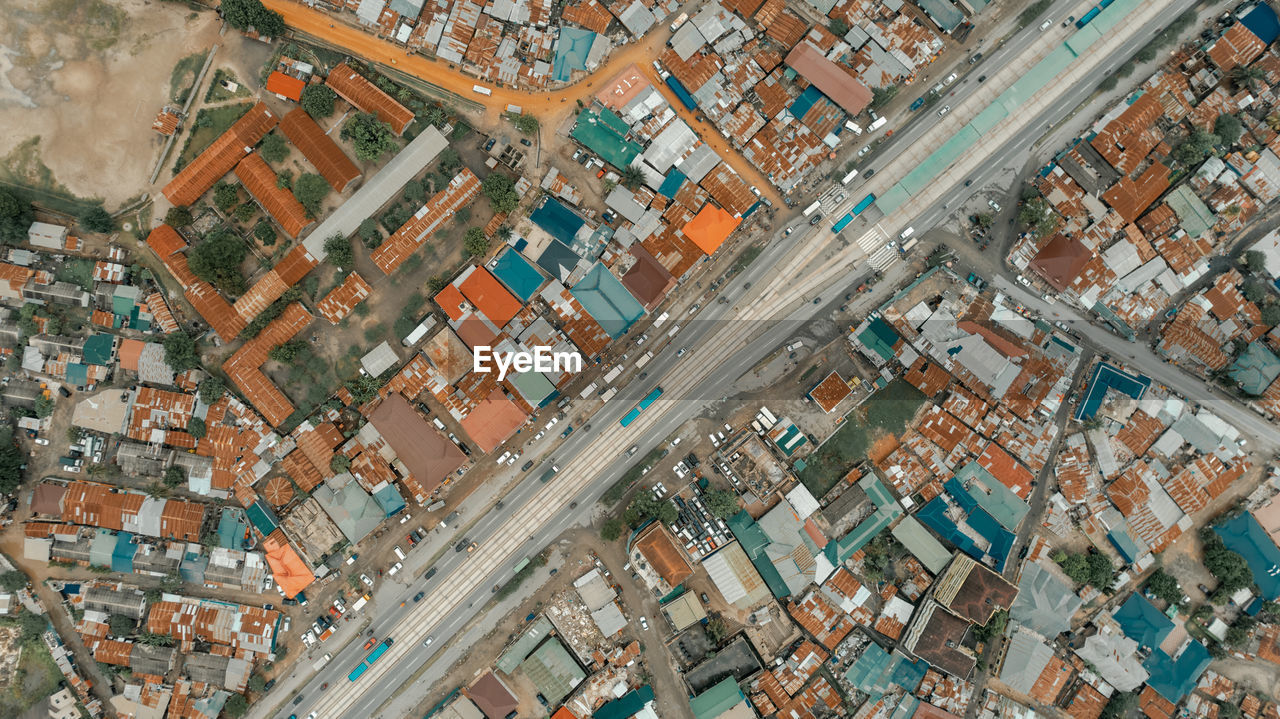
{"type": "Point", "coordinates": [600, 359]}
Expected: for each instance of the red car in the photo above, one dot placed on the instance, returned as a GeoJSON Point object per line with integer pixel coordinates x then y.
{"type": "Point", "coordinates": [369, 644]}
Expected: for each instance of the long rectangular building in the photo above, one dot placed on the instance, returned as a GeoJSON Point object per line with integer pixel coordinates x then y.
{"type": "Point", "coordinates": [261, 182]}
{"type": "Point", "coordinates": [319, 149]}
{"type": "Point", "coordinates": [357, 90]}
{"type": "Point", "coordinates": [219, 158]}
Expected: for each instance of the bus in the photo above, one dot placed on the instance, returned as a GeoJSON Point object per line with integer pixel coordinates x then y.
{"type": "Point", "coordinates": [481, 90]}
{"type": "Point", "coordinates": [812, 208]}
{"type": "Point", "coordinates": [523, 563]}
{"type": "Point", "coordinates": [866, 202]}
{"type": "Point", "coordinates": [641, 406]}
{"type": "Point", "coordinates": [363, 666]}
{"type": "Point", "coordinates": [849, 177]}
{"type": "Point", "coordinates": [842, 223]}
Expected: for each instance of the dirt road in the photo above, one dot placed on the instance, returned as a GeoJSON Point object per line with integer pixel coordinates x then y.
{"type": "Point", "coordinates": [551, 107]}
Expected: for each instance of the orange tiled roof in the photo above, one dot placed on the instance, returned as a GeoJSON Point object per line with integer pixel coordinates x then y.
{"type": "Point", "coordinates": [285, 86]}
{"type": "Point", "coordinates": [342, 299]}
{"type": "Point", "coordinates": [243, 367]}
{"type": "Point", "coordinates": [319, 149]}
{"type": "Point", "coordinates": [218, 159]}
{"type": "Point", "coordinates": [460, 192]}
{"type": "Point", "coordinates": [357, 90]}
{"type": "Point", "coordinates": [261, 182]}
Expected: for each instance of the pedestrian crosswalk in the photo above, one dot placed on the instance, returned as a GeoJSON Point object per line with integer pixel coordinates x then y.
{"type": "Point", "coordinates": [883, 258]}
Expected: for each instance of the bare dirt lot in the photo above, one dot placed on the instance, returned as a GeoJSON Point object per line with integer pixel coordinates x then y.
{"type": "Point", "coordinates": [80, 83]}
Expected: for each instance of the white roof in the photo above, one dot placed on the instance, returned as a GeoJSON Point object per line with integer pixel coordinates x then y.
{"type": "Point", "coordinates": [379, 359]}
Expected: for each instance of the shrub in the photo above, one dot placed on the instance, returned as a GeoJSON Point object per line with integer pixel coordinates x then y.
{"type": "Point", "coordinates": [317, 100]}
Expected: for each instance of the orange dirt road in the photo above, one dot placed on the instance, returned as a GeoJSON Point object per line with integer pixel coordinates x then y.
{"type": "Point", "coordinates": [551, 107]}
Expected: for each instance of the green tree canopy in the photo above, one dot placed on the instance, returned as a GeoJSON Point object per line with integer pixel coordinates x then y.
{"type": "Point", "coordinates": [631, 177]}
{"type": "Point", "coordinates": [525, 123]}
{"type": "Point", "coordinates": [196, 428]}
{"type": "Point", "coordinates": [236, 706]}
{"type": "Point", "coordinates": [274, 148]}
{"type": "Point", "coordinates": [501, 191]}
{"type": "Point", "coordinates": [16, 217]}
{"type": "Point", "coordinates": [44, 407]}
{"type": "Point", "coordinates": [721, 502]}
{"type": "Point", "coordinates": [174, 477]}
{"type": "Point", "coordinates": [225, 196]}
{"type": "Point", "coordinates": [96, 219]}
{"type": "Point", "coordinates": [217, 259]}
{"type": "Point", "coordinates": [11, 461]}
{"type": "Point", "coordinates": [339, 252]}
{"type": "Point", "coordinates": [1163, 585]}
{"type": "Point", "coordinates": [180, 351]}
{"type": "Point", "coordinates": [247, 14]}
{"type": "Point", "coordinates": [1254, 261]}
{"type": "Point", "coordinates": [1193, 149]}
{"type": "Point", "coordinates": [1229, 568]}
{"type": "Point", "coordinates": [340, 463]}
{"type": "Point", "coordinates": [370, 136]}
{"type": "Point", "coordinates": [474, 242]}
{"type": "Point", "coordinates": [369, 233]}
{"type": "Point", "coordinates": [212, 389]}
{"type": "Point", "coordinates": [317, 100]}
{"type": "Point", "coordinates": [288, 351]}
{"type": "Point", "coordinates": [265, 233]}
{"type": "Point", "coordinates": [612, 529]}
{"type": "Point", "coordinates": [178, 216]}
{"type": "Point", "coordinates": [311, 189]}
{"type": "Point", "coordinates": [12, 580]}
{"type": "Point", "coordinates": [1228, 128]}
{"type": "Point", "coordinates": [121, 626]}
{"type": "Point", "coordinates": [1271, 314]}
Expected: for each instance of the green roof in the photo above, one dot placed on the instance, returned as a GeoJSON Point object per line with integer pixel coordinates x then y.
{"type": "Point", "coordinates": [717, 700]}
{"type": "Point", "coordinates": [604, 133]}
{"type": "Point", "coordinates": [97, 349]}
{"type": "Point", "coordinates": [1255, 369]}
{"type": "Point", "coordinates": [999, 501]}
{"type": "Point", "coordinates": [553, 671]}
{"type": "Point", "coordinates": [886, 511]}
{"type": "Point", "coordinates": [912, 535]}
{"type": "Point", "coordinates": [1195, 216]}
{"type": "Point", "coordinates": [522, 647]}
{"type": "Point", "coordinates": [754, 542]}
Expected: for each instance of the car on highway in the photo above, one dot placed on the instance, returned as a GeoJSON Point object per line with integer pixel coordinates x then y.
{"type": "Point", "coordinates": [949, 79]}
{"type": "Point", "coordinates": [681, 351]}
{"type": "Point", "coordinates": [427, 642]}
{"type": "Point", "coordinates": [982, 78]}
{"type": "Point", "coordinates": [460, 545]}
{"type": "Point", "coordinates": [430, 573]}
{"type": "Point", "coordinates": [917, 104]}
{"type": "Point", "coordinates": [367, 581]}
{"type": "Point", "coordinates": [418, 597]}
{"type": "Point", "coordinates": [976, 57]}
{"type": "Point", "coordinates": [526, 466]}
{"type": "Point", "coordinates": [945, 109]}
{"type": "Point", "coordinates": [632, 450]}
{"type": "Point", "coordinates": [864, 151]}
{"type": "Point", "coordinates": [472, 547]}
{"type": "Point", "coordinates": [369, 644]}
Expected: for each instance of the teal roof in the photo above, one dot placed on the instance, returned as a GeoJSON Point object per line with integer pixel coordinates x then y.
{"type": "Point", "coordinates": [877, 671]}
{"type": "Point", "coordinates": [999, 501]}
{"type": "Point", "coordinates": [521, 277]}
{"type": "Point", "coordinates": [571, 52]}
{"type": "Point", "coordinates": [912, 534]}
{"type": "Point", "coordinates": [98, 349]}
{"type": "Point", "coordinates": [1255, 369]}
{"type": "Point", "coordinates": [880, 337]}
{"type": "Point", "coordinates": [1195, 216]}
{"type": "Point", "coordinates": [388, 497]}
{"type": "Point", "coordinates": [264, 520]}
{"type": "Point", "coordinates": [1245, 536]}
{"type": "Point", "coordinates": [1142, 622]}
{"type": "Point", "coordinates": [717, 700]}
{"type": "Point", "coordinates": [754, 543]}
{"type": "Point", "coordinates": [607, 301]}
{"type": "Point", "coordinates": [627, 705]}
{"type": "Point", "coordinates": [1173, 678]}
{"type": "Point", "coordinates": [533, 386]}
{"type": "Point", "coordinates": [604, 133]}
{"type": "Point", "coordinates": [232, 526]}
{"type": "Point", "coordinates": [351, 508]}
{"type": "Point", "coordinates": [886, 511]}
{"type": "Point", "coordinates": [77, 374]}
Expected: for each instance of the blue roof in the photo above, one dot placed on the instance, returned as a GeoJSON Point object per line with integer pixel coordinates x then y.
{"type": "Point", "coordinates": [231, 528]}
{"type": "Point", "coordinates": [671, 185]}
{"type": "Point", "coordinates": [1106, 377]}
{"type": "Point", "coordinates": [571, 52]}
{"type": "Point", "coordinates": [514, 271]}
{"type": "Point", "coordinates": [1124, 544]}
{"type": "Point", "coordinates": [1142, 622]}
{"type": "Point", "coordinates": [801, 105]}
{"type": "Point", "coordinates": [559, 221]}
{"type": "Point", "coordinates": [678, 88]}
{"type": "Point", "coordinates": [1255, 368]}
{"type": "Point", "coordinates": [388, 497]}
{"type": "Point", "coordinates": [1246, 537]}
{"type": "Point", "coordinates": [877, 671]}
{"type": "Point", "coordinates": [1173, 678]}
{"type": "Point", "coordinates": [626, 706]}
{"type": "Point", "coordinates": [606, 300]}
{"type": "Point", "coordinates": [1262, 21]}
{"type": "Point", "coordinates": [122, 556]}
{"type": "Point", "coordinates": [77, 374]}
{"type": "Point", "coordinates": [262, 517]}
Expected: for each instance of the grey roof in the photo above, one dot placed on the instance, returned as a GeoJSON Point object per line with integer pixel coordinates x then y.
{"type": "Point", "coordinates": [370, 10]}
{"type": "Point", "coordinates": [699, 162]}
{"type": "Point", "coordinates": [735, 577]}
{"type": "Point", "coordinates": [624, 201]}
{"type": "Point", "coordinates": [1026, 658]}
{"type": "Point", "coordinates": [594, 590]}
{"type": "Point", "coordinates": [146, 659]}
{"type": "Point", "coordinates": [151, 365]}
{"type": "Point", "coordinates": [912, 534]}
{"type": "Point", "coordinates": [687, 40]}
{"type": "Point", "coordinates": [350, 507]}
{"type": "Point", "coordinates": [1044, 603]}
{"type": "Point", "coordinates": [553, 670]}
{"type": "Point", "coordinates": [379, 359]}
{"type": "Point", "coordinates": [609, 619]}
{"type": "Point", "coordinates": [711, 21]}
{"type": "Point", "coordinates": [637, 18]}
{"type": "Point", "coordinates": [1114, 657]}
{"type": "Point", "coordinates": [675, 140]}
{"type": "Point", "coordinates": [128, 601]}
{"type": "Point", "coordinates": [823, 6]}
{"type": "Point", "coordinates": [408, 8]}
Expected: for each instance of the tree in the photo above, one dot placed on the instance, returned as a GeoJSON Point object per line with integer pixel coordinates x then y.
{"type": "Point", "coordinates": [1247, 76]}
{"type": "Point", "coordinates": [1163, 585]}
{"type": "Point", "coordinates": [178, 217]}
{"type": "Point", "coordinates": [311, 189]}
{"type": "Point", "coordinates": [1120, 705]}
{"type": "Point", "coordinates": [121, 626]}
{"type": "Point", "coordinates": [225, 196]}
{"type": "Point", "coordinates": [340, 254]}
{"type": "Point", "coordinates": [838, 26]}
{"type": "Point", "coordinates": [171, 582]}
{"type": "Point", "coordinates": [450, 162]}
{"type": "Point", "coordinates": [1271, 314]}
{"type": "Point", "coordinates": [288, 351]}
{"type": "Point", "coordinates": [525, 123]}
{"type": "Point", "coordinates": [157, 490]}
{"type": "Point", "coordinates": [12, 580]}
{"type": "Point", "coordinates": [180, 351]}
{"type": "Point", "coordinates": [1229, 568]}
{"type": "Point", "coordinates": [985, 220]}
{"type": "Point", "coordinates": [174, 477]}
{"type": "Point", "coordinates": [16, 216]}
{"type": "Point", "coordinates": [236, 706]}
{"type": "Point", "coordinates": [717, 630]}
{"type": "Point", "coordinates": [257, 684]}
{"type": "Point", "coordinates": [1254, 289]}
{"type": "Point", "coordinates": [433, 115]}
{"type": "Point", "coordinates": [1228, 128]}
{"type": "Point", "coordinates": [317, 100]}
{"type": "Point", "coordinates": [96, 219]}
{"type": "Point", "coordinates": [245, 212]}
{"type": "Point", "coordinates": [612, 529]}
{"type": "Point", "coordinates": [501, 191]}
{"type": "Point", "coordinates": [218, 259]}
{"type": "Point", "coordinates": [212, 389]}
{"type": "Point", "coordinates": [370, 136]}
{"type": "Point", "coordinates": [1195, 147]}
{"type": "Point", "coordinates": [646, 506]}
{"type": "Point", "coordinates": [252, 14]}
{"type": "Point", "coordinates": [721, 503]}
{"type": "Point", "coordinates": [369, 233]}
{"type": "Point", "coordinates": [631, 177]}
{"type": "Point", "coordinates": [44, 407]}
{"type": "Point", "coordinates": [274, 148]}
{"type": "Point", "coordinates": [1254, 261]}
{"type": "Point", "coordinates": [196, 428]}
{"type": "Point", "coordinates": [994, 628]}
{"type": "Point", "coordinates": [474, 242]}
{"type": "Point", "coordinates": [265, 233]}
{"type": "Point", "coordinates": [340, 463]}
{"type": "Point", "coordinates": [11, 461]}
{"type": "Point", "coordinates": [880, 96]}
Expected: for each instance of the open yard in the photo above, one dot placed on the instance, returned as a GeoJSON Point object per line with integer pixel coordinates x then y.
{"type": "Point", "coordinates": [36, 678]}
{"type": "Point", "coordinates": [886, 411]}
{"type": "Point", "coordinates": [80, 83]}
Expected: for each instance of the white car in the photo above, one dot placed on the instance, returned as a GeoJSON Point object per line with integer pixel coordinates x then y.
{"type": "Point", "coordinates": [950, 79]}
{"type": "Point", "coordinates": [42, 441]}
{"type": "Point", "coordinates": [309, 638]}
{"type": "Point", "coordinates": [513, 459]}
{"type": "Point", "coordinates": [406, 517]}
{"type": "Point", "coordinates": [541, 433]}
{"type": "Point", "coordinates": [1023, 281]}
{"type": "Point", "coordinates": [427, 642]}
{"type": "Point", "coordinates": [728, 427]}
{"type": "Point", "coordinates": [993, 205]}
{"type": "Point", "coordinates": [945, 109]}
{"type": "Point", "coordinates": [675, 442]}
{"type": "Point", "coordinates": [505, 456]}
{"type": "Point", "coordinates": [644, 624]}
{"type": "Point", "coordinates": [367, 581]}
{"type": "Point", "coordinates": [394, 568]}
{"type": "Point", "coordinates": [714, 442]}
{"type": "Point", "coordinates": [288, 622]}
{"type": "Point", "coordinates": [553, 422]}
{"type": "Point", "coordinates": [864, 151]}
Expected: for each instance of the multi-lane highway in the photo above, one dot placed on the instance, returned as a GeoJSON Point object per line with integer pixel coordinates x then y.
{"type": "Point", "coordinates": [793, 280]}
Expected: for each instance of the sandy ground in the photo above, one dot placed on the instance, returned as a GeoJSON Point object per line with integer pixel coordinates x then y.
{"type": "Point", "coordinates": [87, 77]}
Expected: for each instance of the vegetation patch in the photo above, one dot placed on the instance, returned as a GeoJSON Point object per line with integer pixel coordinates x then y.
{"type": "Point", "coordinates": [209, 123]}
{"type": "Point", "coordinates": [183, 78]}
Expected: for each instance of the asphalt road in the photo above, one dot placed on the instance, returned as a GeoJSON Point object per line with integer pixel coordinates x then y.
{"type": "Point", "coordinates": [791, 277]}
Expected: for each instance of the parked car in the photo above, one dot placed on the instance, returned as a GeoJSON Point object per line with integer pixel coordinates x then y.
{"type": "Point", "coordinates": [644, 623]}
{"type": "Point", "coordinates": [524, 141]}
{"type": "Point", "coordinates": [367, 581]}
{"type": "Point", "coordinates": [418, 597]}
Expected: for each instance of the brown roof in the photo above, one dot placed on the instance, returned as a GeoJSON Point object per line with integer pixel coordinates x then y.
{"type": "Point", "coordinates": [663, 554]}
{"type": "Point", "coordinates": [835, 82]}
{"type": "Point", "coordinates": [461, 190]}
{"type": "Point", "coordinates": [492, 696]}
{"type": "Point", "coordinates": [272, 285]}
{"type": "Point", "coordinates": [261, 182]}
{"type": "Point", "coordinates": [342, 299]}
{"type": "Point", "coordinates": [427, 454]}
{"type": "Point", "coordinates": [830, 391]}
{"type": "Point", "coordinates": [1060, 261]}
{"type": "Point", "coordinates": [319, 149]}
{"type": "Point", "coordinates": [972, 591]}
{"type": "Point", "coordinates": [218, 159]}
{"type": "Point", "coordinates": [728, 190]}
{"type": "Point", "coordinates": [940, 640]}
{"type": "Point", "coordinates": [1127, 139]}
{"type": "Point", "coordinates": [243, 366]}
{"type": "Point", "coordinates": [1237, 46]}
{"type": "Point", "coordinates": [1130, 198]}
{"type": "Point", "coordinates": [357, 90]}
